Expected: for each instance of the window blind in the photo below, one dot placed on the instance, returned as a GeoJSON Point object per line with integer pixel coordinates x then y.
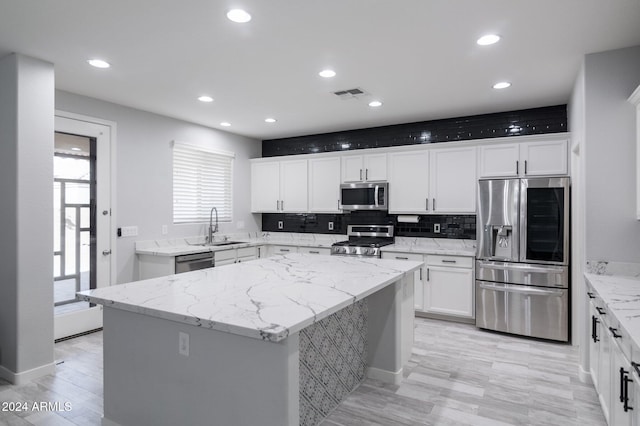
{"type": "Point", "coordinates": [202, 179]}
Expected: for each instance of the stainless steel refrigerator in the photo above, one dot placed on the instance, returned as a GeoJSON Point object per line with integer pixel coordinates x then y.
{"type": "Point", "coordinates": [522, 266]}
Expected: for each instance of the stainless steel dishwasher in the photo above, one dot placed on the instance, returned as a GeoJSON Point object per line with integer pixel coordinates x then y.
{"type": "Point", "coordinates": [193, 262]}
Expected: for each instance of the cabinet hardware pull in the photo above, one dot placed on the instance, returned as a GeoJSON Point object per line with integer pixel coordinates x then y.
{"type": "Point", "coordinates": [282, 205]}
{"type": "Point", "coordinates": [622, 384]}
{"type": "Point", "coordinates": [601, 311]}
{"type": "Point", "coordinates": [427, 274]}
{"type": "Point", "coordinates": [420, 274]}
{"type": "Point", "coordinates": [314, 252]}
{"type": "Point", "coordinates": [106, 252]}
{"type": "Point", "coordinates": [449, 261]}
{"type": "Point", "coordinates": [517, 167]}
{"type": "Point", "coordinates": [284, 249]}
{"type": "Point", "coordinates": [636, 366]}
{"type": "Point", "coordinates": [525, 167]}
{"type": "Point", "coordinates": [614, 333]}
{"type": "Point", "coordinates": [433, 205]}
{"type": "Point", "coordinates": [402, 258]}
{"type": "Point", "coordinates": [427, 200]}
{"type": "Point", "coordinates": [591, 296]}
{"type": "Point", "coordinates": [627, 380]}
{"type": "Point", "coordinates": [594, 332]}
{"type": "Point", "coordinates": [366, 174]}
{"type": "Point", "coordinates": [360, 174]}
{"type": "Point", "coordinates": [338, 204]}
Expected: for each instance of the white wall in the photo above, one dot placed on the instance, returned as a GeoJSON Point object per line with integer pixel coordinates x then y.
{"type": "Point", "coordinates": [143, 192]}
{"type": "Point", "coordinates": [612, 231]}
{"type": "Point", "coordinates": [26, 212]}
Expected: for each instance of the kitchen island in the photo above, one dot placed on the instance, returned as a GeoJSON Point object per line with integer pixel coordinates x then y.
{"type": "Point", "coordinates": [277, 341]}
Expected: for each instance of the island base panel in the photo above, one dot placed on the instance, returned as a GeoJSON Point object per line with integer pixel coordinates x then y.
{"type": "Point", "coordinates": [226, 379]}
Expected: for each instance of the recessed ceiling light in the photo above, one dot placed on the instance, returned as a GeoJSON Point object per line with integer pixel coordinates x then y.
{"type": "Point", "coordinates": [375, 104]}
{"type": "Point", "coordinates": [270, 120]}
{"type": "Point", "coordinates": [205, 98]}
{"type": "Point", "coordinates": [502, 85]}
{"type": "Point", "coordinates": [99, 63]}
{"type": "Point", "coordinates": [327, 73]}
{"type": "Point", "coordinates": [238, 15]}
{"type": "Point", "coordinates": [225, 124]}
{"type": "Point", "coordinates": [488, 39]}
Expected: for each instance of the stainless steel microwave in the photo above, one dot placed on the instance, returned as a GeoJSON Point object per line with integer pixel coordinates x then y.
{"type": "Point", "coordinates": [364, 196]}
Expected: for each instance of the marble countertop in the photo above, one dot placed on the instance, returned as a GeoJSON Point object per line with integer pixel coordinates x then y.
{"type": "Point", "coordinates": [181, 246]}
{"type": "Point", "coordinates": [621, 295]}
{"type": "Point", "coordinates": [265, 299]}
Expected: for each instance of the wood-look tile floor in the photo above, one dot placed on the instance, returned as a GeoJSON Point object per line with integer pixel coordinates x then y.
{"type": "Point", "coordinates": [458, 375]}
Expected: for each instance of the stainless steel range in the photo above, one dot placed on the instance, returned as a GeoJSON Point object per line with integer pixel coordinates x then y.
{"type": "Point", "coordinates": [364, 241]}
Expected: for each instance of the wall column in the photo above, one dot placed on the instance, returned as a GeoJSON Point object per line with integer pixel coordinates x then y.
{"type": "Point", "coordinates": [27, 90]}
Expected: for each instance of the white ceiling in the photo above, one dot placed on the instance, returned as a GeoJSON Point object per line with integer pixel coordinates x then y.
{"type": "Point", "coordinates": [417, 56]}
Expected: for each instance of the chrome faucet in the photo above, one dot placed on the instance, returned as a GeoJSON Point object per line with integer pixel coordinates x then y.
{"type": "Point", "coordinates": [212, 230]}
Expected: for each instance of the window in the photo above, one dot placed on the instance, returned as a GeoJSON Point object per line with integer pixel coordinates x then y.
{"type": "Point", "coordinates": [202, 179]}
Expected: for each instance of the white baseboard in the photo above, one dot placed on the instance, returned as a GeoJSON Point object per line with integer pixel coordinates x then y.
{"type": "Point", "coordinates": [386, 376]}
{"type": "Point", "coordinates": [26, 376]}
{"type": "Point", "coordinates": [584, 376]}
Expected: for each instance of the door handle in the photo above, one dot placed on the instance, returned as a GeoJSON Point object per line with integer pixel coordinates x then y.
{"type": "Point", "coordinates": [525, 167]}
{"type": "Point", "coordinates": [614, 333]}
{"type": "Point", "coordinates": [591, 296]}
{"type": "Point", "coordinates": [601, 311]}
{"type": "Point", "coordinates": [433, 205]}
{"type": "Point", "coordinates": [594, 332]}
{"type": "Point", "coordinates": [366, 174]}
{"type": "Point", "coordinates": [106, 252]}
{"type": "Point", "coordinates": [360, 174]}
{"type": "Point", "coordinates": [427, 204]}
{"type": "Point", "coordinates": [517, 167]}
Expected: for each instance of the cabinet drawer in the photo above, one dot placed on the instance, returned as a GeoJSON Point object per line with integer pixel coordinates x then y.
{"type": "Point", "coordinates": [224, 255]}
{"type": "Point", "coordinates": [315, 250]}
{"type": "Point", "coordinates": [246, 251]}
{"type": "Point", "coordinates": [403, 256]}
{"type": "Point", "coordinates": [450, 261]}
{"type": "Point", "coordinates": [284, 249]}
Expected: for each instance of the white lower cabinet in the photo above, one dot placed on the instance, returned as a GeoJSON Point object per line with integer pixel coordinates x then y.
{"type": "Point", "coordinates": [418, 284]}
{"type": "Point", "coordinates": [315, 250]}
{"type": "Point", "coordinates": [622, 403]}
{"type": "Point", "coordinates": [444, 286]}
{"type": "Point", "coordinates": [227, 257]}
{"type": "Point", "coordinates": [449, 288]}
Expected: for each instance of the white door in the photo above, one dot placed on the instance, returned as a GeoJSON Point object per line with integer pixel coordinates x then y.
{"type": "Point", "coordinates": [82, 222]}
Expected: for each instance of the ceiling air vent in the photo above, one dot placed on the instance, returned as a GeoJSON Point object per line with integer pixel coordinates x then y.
{"type": "Point", "coordinates": [350, 93]}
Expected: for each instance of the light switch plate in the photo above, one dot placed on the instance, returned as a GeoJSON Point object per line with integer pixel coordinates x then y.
{"type": "Point", "coordinates": [280, 224]}
{"type": "Point", "coordinates": [129, 231]}
{"type": "Point", "coordinates": [436, 228]}
{"type": "Point", "coordinates": [330, 226]}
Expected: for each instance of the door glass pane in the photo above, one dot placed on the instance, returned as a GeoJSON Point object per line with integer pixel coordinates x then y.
{"type": "Point", "coordinates": [77, 193]}
{"type": "Point", "coordinates": [70, 241]}
{"type": "Point", "coordinates": [71, 168]}
{"type": "Point", "coordinates": [85, 260]}
{"type": "Point", "coordinates": [545, 225]}
{"type": "Point", "coordinates": [56, 266]}
{"type": "Point", "coordinates": [56, 216]}
{"type": "Point", "coordinates": [85, 218]}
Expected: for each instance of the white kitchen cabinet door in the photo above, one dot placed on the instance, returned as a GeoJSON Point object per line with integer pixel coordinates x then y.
{"type": "Point", "coordinates": [324, 185]}
{"type": "Point", "coordinates": [364, 168]}
{"type": "Point", "coordinates": [265, 187]}
{"type": "Point", "coordinates": [409, 182]}
{"type": "Point", "coordinates": [418, 281]}
{"type": "Point", "coordinates": [594, 344]}
{"type": "Point", "coordinates": [293, 186]}
{"type": "Point", "coordinates": [620, 373]}
{"type": "Point", "coordinates": [544, 158]}
{"type": "Point", "coordinates": [498, 160]}
{"type": "Point", "coordinates": [325, 251]}
{"type": "Point", "coordinates": [453, 180]}
{"type": "Point", "coordinates": [604, 372]}
{"type": "Point", "coordinates": [449, 291]}
{"type": "Point", "coordinates": [352, 168]}
{"type": "Point", "coordinates": [278, 249]}
{"type": "Point", "coordinates": [375, 167]}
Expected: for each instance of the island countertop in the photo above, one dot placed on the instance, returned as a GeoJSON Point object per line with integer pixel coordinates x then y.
{"type": "Point", "coordinates": [265, 299]}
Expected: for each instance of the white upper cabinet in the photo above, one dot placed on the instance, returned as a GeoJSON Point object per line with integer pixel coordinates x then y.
{"type": "Point", "coordinates": [452, 180]}
{"type": "Point", "coordinates": [279, 186]}
{"type": "Point", "coordinates": [409, 182]}
{"type": "Point", "coordinates": [542, 158]}
{"type": "Point", "coordinates": [364, 168]}
{"type": "Point", "coordinates": [265, 187]}
{"type": "Point", "coordinates": [324, 185]}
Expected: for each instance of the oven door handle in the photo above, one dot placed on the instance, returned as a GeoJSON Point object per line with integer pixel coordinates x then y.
{"type": "Point", "coordinates": [375, 195]}
{"type": "Point", "coordinates": [521, 289]}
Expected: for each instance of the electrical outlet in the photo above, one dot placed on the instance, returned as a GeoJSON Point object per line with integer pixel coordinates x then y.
{"type": "Point", "coordinates": [330, 226]}
{"type": "Point", "coordinates": [183, 343]}
{"type": "Point", "coordinates": [165, 229]}
{"type": "Point", "coordinates": [436, 228]}
{"type": "Point", "coordinates": [280, 224]}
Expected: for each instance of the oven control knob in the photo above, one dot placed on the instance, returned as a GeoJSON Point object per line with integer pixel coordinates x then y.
{"type": "Point", "coordinates": [353, 250]}
{"type": "Point", "coordinates": [368, 251]}
{"type": "Point", "coordinates": [342, 250]}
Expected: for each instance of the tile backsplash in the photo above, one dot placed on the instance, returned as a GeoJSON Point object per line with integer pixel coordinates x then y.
{"type": "Point", "coordinates": [552, 119]}
{"type": "Point", "coordinates": [451, 226]}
